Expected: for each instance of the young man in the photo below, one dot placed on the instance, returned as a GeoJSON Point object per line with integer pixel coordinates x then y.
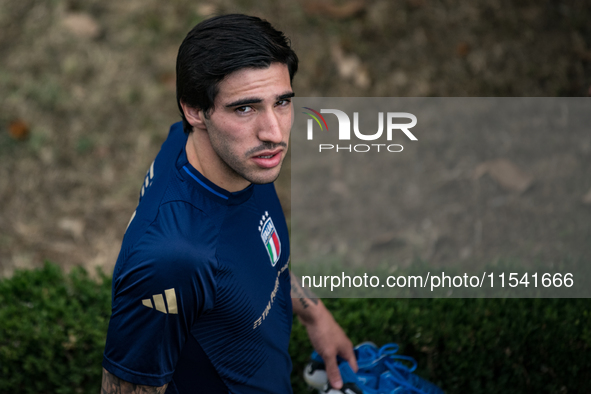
{"type": "Point", "coordinates": [201, 289]}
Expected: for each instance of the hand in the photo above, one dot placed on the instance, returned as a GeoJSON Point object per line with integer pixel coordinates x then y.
{"type": "Point", "coordinates": [329, 340]}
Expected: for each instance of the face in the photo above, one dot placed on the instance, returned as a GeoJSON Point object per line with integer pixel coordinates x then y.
{"type": "Point", "coordinates": [250, 124]}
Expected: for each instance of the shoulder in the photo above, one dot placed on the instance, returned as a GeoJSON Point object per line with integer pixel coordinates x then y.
{"type": "Point", "coordinates": [182, 234]}
{"type": "Point", "coordinates": [179, 243]}
{"type": "Point", "coordinates": [176, 252]}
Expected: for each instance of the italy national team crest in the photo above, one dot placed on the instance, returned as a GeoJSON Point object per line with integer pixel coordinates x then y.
{"type": "Point", "coordinates": [270, 238]}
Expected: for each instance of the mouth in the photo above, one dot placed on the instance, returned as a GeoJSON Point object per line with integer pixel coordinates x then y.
{"type": "Point", "coordinates": [268, 159]}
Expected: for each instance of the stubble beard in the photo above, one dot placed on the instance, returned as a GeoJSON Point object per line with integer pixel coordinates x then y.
{"type": "Point", "coordinates": [236, 166]}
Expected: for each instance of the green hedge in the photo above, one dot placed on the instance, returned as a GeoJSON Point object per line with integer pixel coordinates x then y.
{"type": "Point", "coordinates": [52, 335]}
{"type": "Point", "coordinates": [52, 331]}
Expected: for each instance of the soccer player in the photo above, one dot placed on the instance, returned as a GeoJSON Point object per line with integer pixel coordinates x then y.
{"type": "Point", "coordinates": [202, 294]}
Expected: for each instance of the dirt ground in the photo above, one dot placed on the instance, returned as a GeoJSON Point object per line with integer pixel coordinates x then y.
{"type": "Point", "coordinates": [87, 95]}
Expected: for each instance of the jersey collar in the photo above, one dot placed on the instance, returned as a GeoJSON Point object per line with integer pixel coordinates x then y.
{"type": "Point", "coordinates": [210, 189]}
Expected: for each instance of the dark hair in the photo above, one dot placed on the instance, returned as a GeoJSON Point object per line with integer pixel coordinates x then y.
{"type": "Point", "coordinates": [221, 45]}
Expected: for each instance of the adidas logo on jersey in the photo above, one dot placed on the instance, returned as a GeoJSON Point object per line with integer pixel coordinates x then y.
{"type": "Point", "coordinates": [159, 302]}
{"type": "Point", "coordinates": [147, 180]}
{"type": "Point", "coordinates": [147, 183]}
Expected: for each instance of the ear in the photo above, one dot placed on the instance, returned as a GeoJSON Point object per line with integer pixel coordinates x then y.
{"type": "Point", "coordinates": [194, 116]}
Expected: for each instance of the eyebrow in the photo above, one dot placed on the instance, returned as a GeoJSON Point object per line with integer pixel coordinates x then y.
{"type": "Point", "coordinates": [255, 100]}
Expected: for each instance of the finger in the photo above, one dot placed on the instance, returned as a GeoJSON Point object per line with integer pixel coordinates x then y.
{"type": "Point", "coordinates": [349, 355]}
{"type": "Point", "coordinates": [333, 373]}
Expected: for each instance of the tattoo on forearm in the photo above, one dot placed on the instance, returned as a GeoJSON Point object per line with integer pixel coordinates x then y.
{"type": "Point", "coordinates": [303, 302]}
{"type": "Point", "coordinates": [113, 385]}
{"type": "Point", "coordinates": [302, 294]}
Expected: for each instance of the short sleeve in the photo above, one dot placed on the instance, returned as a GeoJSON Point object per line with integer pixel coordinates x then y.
{"type": "Point", "coordinates": [164, 284]}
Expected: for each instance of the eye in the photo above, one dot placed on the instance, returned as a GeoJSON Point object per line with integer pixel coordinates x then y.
{"type": "Point", "coordinates": [244, 109]}
{"type": "Point", "coordinates": [283, 103]}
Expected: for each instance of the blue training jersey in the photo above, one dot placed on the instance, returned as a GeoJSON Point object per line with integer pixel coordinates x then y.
{"type": "Point", "coordinates": [201, 288]}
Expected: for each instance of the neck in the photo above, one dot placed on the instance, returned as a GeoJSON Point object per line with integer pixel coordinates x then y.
{"type": "Point", "coordinates": [203, 158]}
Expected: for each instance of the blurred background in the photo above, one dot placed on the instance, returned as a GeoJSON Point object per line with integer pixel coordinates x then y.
{"type": "Point", "coordinates": [87, 94]}
{"type": "Point", "coordinates": [87, 91]}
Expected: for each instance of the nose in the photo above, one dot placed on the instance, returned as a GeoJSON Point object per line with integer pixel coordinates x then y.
{"type": "Point", "coordinates": [270, 127]}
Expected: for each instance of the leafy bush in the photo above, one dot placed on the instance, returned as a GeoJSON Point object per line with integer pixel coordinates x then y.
{"type": "Point", "coordinates": [53, 330]}
{"type": "Point", "coordinates": [53, 327]}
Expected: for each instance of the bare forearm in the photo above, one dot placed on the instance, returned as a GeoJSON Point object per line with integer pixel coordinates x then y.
{"type": "Point", "coordinates": [304, 301]}
{"type": "Point", "coordinates": [327, 337]}
{"type": "Point", "coordinates": [113, 385]}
